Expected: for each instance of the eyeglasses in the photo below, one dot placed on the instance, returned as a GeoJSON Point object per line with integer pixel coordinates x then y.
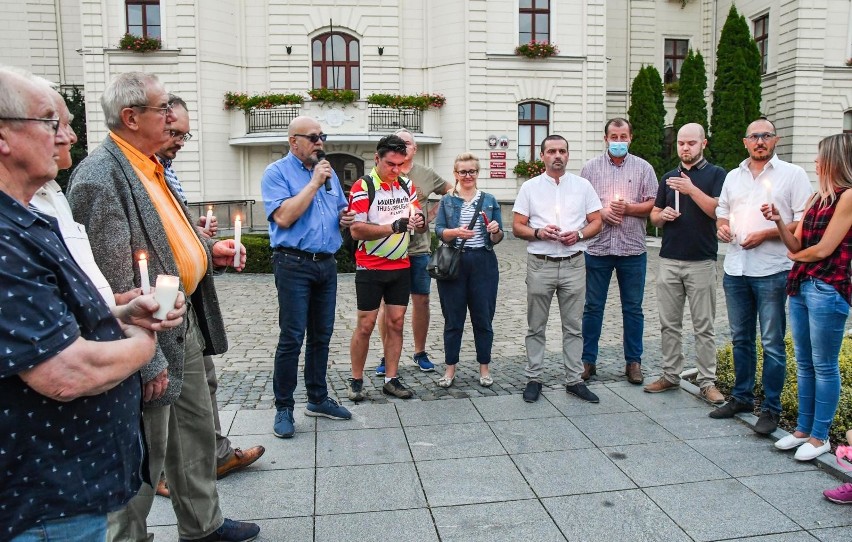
{"type": "Point", "coordinates": [313, 138]}
{"type": "Point", "coordinates": [179, 135]}
{"type": "Point", "coordinates": [467, 172]}
{"type": "Point", "coordinates": [53, 122]}
{"type": "Point", "coordinates": [754, 138]}
{"type": "Point", "coordinates": [165, 110]}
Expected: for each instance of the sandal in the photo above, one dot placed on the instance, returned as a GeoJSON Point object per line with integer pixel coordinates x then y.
{"type": "Point", "coordinates": [486, 381]}
{"type": "Point", "coordinates": [445, 382]}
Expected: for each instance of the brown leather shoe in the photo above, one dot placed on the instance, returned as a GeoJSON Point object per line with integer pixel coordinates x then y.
{"type": "Point", "coordinates": [163, 487]}
{"type": "Point", "coordinates": [589, 370]}
{"type": "Point", "coordinates": [660, 385]}
{"type": "Point", "coordinates": [238, 460]}
{"type": "Point", "coordinates": [633, 371]}
{"type": "Point", "coordinates": [712, 395]}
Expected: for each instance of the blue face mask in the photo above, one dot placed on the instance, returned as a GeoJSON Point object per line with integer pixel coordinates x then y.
{"type": "Point", "coordinates": [618, 149]}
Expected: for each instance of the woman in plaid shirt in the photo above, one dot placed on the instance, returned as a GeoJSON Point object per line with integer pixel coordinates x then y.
{"type": "Point", "coordinates": [820, 293]}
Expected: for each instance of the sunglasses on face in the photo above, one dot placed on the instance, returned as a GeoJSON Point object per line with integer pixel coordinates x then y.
{"type": "Point", "coordinates": [313, 138]}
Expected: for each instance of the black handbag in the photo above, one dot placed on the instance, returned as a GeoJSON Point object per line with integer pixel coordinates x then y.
{"type": "Point", "coordinates": [444, 262]}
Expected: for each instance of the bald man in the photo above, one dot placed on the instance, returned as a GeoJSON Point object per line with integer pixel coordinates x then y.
{"type": "Point", "coordinates": [685, 209]}
{"type": "Point", "coordinates": [306, 207]}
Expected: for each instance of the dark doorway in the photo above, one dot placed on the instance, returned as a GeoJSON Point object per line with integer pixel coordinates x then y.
{"type": "Point", "coordinates": [348, 168]}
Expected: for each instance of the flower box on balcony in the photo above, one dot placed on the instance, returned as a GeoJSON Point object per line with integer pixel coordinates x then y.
{"type": "Point", "coordinates": [537, 49]}
{"type": "Point", "coordinates": [138, 44]}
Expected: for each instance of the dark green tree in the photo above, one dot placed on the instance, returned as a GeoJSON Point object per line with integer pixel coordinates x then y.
{"type": "Point", "coordinates": [76, 103]}
{"type": "Point", "coordinates": [691, 105]}
{"type": "Point", "coordinates": [647, 114]}
{"type": "Point", "coordinates": [736, 93]}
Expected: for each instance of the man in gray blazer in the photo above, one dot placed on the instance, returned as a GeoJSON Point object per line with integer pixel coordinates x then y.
{"type": "Point", "coordinates": [120, 195]}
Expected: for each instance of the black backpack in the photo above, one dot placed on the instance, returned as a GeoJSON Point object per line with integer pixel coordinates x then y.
{"type": "Point", "coordinates": [350, 244]}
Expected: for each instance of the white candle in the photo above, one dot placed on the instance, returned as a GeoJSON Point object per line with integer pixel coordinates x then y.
{"type": "Point", "coordinates": [165, 295]}
{"type": "Point", "coordinates": [768, 186]}
{"type": "Point", "coordinates": [143, 273]}
{"type": "Point", "coordinates": [209, 218]}
{"type": "Point", "coordinates": [731, 227]}
{"type": "Point", "coordinates": [238, 230]}
{"type": "Point", "coordinates": [677, 201]}
{"type": "Point", "coordinates": [558, 221]}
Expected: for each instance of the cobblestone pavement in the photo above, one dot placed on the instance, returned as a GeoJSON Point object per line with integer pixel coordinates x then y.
{"type": "Point", "coordinates": [250, 307]}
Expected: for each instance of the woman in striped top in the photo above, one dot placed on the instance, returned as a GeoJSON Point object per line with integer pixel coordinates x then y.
{"type": "Point", "coordinates": [475, 287]}
{"type": "Point", "coordinates": [820, 293]}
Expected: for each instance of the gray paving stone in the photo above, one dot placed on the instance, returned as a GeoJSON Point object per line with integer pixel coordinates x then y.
{"type": "Point", "coordinates": [226, 418]}
{"type": "Point", "coordinates": [376, 526]}
{"type": "Point", "coordinates": [472, 480]}
{"type": "Point", "coordinates": [259, 422]}
{"type": "Point", "coordinates": [294, 453]}
{"type": "Point", "coordinates": [570, 472]}
{"type": "Point", "coordinates": [837, 534]}
{"type": "Point", "coordinates": [747, 455]}
{"type": "Point", "coordinates": [414, 413]}
{"type": "Point", "coordinates": [512, 407]}
{"type": "Point", "coordinates": [276, 530]}
{"type": "Point", "coordinates": [655, 402]}
{"type": "Point", "coordinates": [694, 423]}
{"type": "Point", "coordinates": [514, 521]}
{"type": "Point", "coordinates": [618, 515]}
{"type": "Point", "coordinates": [799, 496]}
{"type": "Point", "coordinates": [239, 496]}
{"type": "Point", "coordinates": [453, 440]}
{"type": "Point", "coordinates": [364, 416]}
{"type": "Point", "coordinates": [621, 429]}
{"type": "Point", "coordinates": [169, 532]}
{"type": "Point", "coordinates": [663, 463]}
{"type": "Point", "coordinates": [539, 435]}
{"type": "Point", "coordinates": [571, 406]}
{"type": "Point", "coordinates": [362, 447]}
{"type": "Point", "coordinates": [161, 512]}
{"type": "Point", "coordinates": [797, 536]}
{"type": "Point", "coordinates": [719, 510]}
{"type": "Point", "coordinates": [367, 488]}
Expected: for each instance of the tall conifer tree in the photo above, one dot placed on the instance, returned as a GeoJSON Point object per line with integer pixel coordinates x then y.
{"type": "Point", "coordinates": [691, 105]}
{"type": "Point", "coordinates": [647, 114]}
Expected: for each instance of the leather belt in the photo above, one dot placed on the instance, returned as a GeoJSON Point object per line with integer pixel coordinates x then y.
{"type": "Point", "coordinates": [547, 258]}
{"type": "Point", "coordinates": [316, 257]}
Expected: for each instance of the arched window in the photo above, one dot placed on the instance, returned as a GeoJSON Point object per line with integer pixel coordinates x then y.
{"type": "Point", "coordinates": [533, 127]}
{"type": "Point", "coordinates": [847, 122]}
{"type": "Point", "coordinates": [336, 61]}
{"type": "Point", "coordinates": [143, 18]}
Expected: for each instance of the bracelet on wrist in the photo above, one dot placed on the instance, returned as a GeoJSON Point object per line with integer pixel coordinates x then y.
{"type": "Point", "coordinates": [535, 233]}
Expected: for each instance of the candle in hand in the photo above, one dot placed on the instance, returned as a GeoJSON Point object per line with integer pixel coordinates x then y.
{"type": "Point", "coordinates": [165, 295]}
{"type": "Point", "coordinates": [143, 273]}
{"type": "Point", "coordinates": [731, 227]}
{"type": "Point", "coordinates": [209, 218]}
{"type": "Point", "coordinates": [238, 230]}
{"type": "Point", "coordinates": [677, 201]}
{"type": "Point", "coordinates": [768, 186]}
{"type": "Point", "coordinates": [558, 221]}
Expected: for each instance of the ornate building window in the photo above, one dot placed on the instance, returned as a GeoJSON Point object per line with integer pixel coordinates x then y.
{"type": "Point", "coordinates": [336, 61]}
{"type": "Point", "coordinates": [143, 18]}
{"type": "Point", "coordinates": [533, 127]}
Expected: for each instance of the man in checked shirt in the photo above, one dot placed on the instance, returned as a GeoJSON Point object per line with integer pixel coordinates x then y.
{"type": "Point", "coordinates": [627, 186]}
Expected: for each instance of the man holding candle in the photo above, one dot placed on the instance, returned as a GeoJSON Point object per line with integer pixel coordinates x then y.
{"type": "Point", "coordinates": [119, 192]}
{"type": "Point", "coordinates": [756, 269]}
{"type": "Point", "coordinates": [382, 268]}
{"type": "Point", "coordinates": [305, 217]}
{"type": "Point", "coordinates": [688, 261]}
{"type": "Point", "coordinates": [557, 212]}
{"type": "Point", "coordinates": [627, 186]}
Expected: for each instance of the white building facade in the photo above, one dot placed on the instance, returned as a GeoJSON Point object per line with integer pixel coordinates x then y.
{"type": "Point", "coordinates": [498, 104]}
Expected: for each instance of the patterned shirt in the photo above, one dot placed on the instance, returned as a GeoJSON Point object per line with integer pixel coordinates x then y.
{"type": "Point", "coordinates": [57, 459]}
{"type": "Point", "coordinates": [172, 179]}
{"type": "Point", "coordinates": [479, 233]}
{"type": "Point", "coordinates": [834, 269]}
{"type": "Point", "coordinates": [634, 181]}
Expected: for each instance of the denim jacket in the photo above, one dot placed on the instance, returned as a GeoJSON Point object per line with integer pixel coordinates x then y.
{"type": "Point", "coordinates": [449, 214]}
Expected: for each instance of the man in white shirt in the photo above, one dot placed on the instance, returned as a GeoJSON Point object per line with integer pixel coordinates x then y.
{"type": "Point", "coordinates": [557, 212]}
{"type": "Point", "coordinates": [756, 268]}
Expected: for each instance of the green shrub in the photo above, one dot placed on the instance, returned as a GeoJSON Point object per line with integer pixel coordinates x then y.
{"type": "Point", "coordinates": [241, 100]}
{"type": "Point", "coordinates": [417, 101]}
{"type": "Point", "coordinates": [332, 95]}
{"type": "Point", "coordinates": [789, 395]}
{"type": "Point", "coordinates": [529, 169]}
{"type": "Point", "coordinates": [129, 42]}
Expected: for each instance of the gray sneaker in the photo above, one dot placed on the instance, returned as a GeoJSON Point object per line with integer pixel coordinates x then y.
{"type": "Point", "coordinates": [395, 388]}
{"type": "Point", "coordinates": [356, 389]}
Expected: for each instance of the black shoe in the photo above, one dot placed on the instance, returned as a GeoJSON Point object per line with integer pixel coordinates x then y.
{"type": "Point", "coordinates": [583, 392]}
{"type": "Point", "coordinates": [394, 387]}
{"type": "Point", "coordinates": [730, 409]}
{"type": "Point", "coordinates": [767, 423]}
{"type": "Point", "coordinates": [356, 389]}
{"type": "Point", "coordinates": [231, 531]}
{"type": "Point", "coordinates": [531, 391]}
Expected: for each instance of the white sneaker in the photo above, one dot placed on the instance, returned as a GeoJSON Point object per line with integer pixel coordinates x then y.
{"type": "Point", "coordinates": [789, 442]}
{"type": "Point", "coordinates": [808, 451]}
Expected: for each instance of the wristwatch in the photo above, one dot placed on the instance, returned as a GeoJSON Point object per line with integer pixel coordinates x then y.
{"type": "Point", "coordinates": [580, 235]}
{"type": "Point", "coordinates": [535, 233]}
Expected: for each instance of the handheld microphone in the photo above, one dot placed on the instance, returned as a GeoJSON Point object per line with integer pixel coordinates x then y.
{"type": "Point", "coordinates": [320, 157]}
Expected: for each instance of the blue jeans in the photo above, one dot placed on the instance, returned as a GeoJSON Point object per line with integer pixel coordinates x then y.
{"type": "Point", "coordinates": [85, 528]}
{"type": "Point", "coordinates": [817, 318]}
{"type": "Point", "coordinates": [474, 289]}
{"type": "Point", "coordinates": [749, 298]}
{"type": "Point", "coordinates": [307, 293]}
{"type": "Point", "coordinates": [630, 273]}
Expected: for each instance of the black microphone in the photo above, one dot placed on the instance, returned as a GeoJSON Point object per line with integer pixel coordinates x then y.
{"type": "Point", "coordinates": [320, 157]}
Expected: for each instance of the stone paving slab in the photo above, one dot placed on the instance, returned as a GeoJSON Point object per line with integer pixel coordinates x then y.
{"type": "Point", "coordinates": [513, 521]}
{"type": "Point", "coordinates": [571, 472]}
{"type": "Point", "coordinates": [663, 464]}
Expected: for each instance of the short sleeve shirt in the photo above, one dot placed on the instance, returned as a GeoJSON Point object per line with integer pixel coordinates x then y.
{"type": "Point", "coordinates": [57, 459]}
{"type": "Point", "coordinates": [427, 182]}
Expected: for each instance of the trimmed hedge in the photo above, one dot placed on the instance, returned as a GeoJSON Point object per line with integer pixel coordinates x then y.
{"type": "Point", "coordinates": [789, 395]}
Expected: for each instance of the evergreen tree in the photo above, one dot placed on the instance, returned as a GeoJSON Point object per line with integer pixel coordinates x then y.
{"type": "Point", "coordinates": [76, 103]}
{"type": "Point", "coordinates": [736, 93]}
{"type": "Point", "coordinates": [647, 114]}
{"type": "Point", "coordinates": [691, 105]}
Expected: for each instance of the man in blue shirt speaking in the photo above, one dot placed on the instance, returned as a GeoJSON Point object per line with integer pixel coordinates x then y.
{"type": "Point", "coordinates": [306, 208]}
